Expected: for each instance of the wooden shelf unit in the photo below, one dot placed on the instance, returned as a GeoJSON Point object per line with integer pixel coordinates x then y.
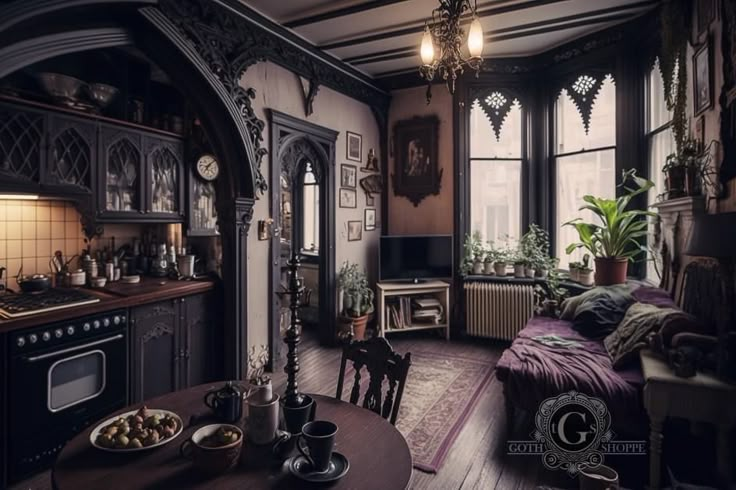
{"type": "Point", "coordinates": [437, 289]}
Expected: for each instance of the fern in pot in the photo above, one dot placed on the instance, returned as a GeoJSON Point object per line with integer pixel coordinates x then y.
{"type": "Point", "coordinates": [614, 240]}
{"type": "Point", "coordinates": [357, 297]}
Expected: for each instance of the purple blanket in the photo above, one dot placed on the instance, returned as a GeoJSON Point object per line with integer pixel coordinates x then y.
{"type": "Point", "coordinates": [532, 371]}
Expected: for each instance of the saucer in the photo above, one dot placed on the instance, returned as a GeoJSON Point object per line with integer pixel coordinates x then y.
{"type": "Point", "coordinates": [300, 467]}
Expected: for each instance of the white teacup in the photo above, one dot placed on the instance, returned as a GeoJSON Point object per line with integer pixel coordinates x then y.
{"type": "Point", "coordinates": [263, 420]}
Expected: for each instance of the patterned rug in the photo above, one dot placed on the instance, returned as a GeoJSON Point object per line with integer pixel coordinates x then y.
{"type": "Point", "coordinates": [441, 392]}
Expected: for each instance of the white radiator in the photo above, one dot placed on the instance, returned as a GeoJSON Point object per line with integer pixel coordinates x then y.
{"type": "Point", "coordinates": [497, 310]}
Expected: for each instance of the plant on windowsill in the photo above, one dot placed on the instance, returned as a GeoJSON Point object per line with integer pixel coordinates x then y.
{"type": "Point", "coordinates": [616, 240]}
{"type": "Point", "coordinates": [573, 269]}
{"type": "Point", "coordinates": [550, 294]}
{"type": "Point", "coordinates": [490, 257]}
{"type": "Point", "coordinates": [534, 245]}
{"type": "Point", "coordinates": [585, 273]}
{"type": "Point", "coordinates": [473, 252]}
{"type": "Point", "coordinates": [357, 297]}
{"type": "Point", "coordinates": [688, 171]}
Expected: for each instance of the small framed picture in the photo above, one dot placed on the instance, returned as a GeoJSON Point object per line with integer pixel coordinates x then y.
{"type": "Point", "coordinates": [354, 147]}
{"type": "Point", "coordinates": [348, 198]}
{"type": "Point", "coordinates": [348, 176]}
{"type": "Point", "coordinates": [703, 78]}
{"type": "Point", "coordinates": [355, 231]}
{"type": "Point", "coordinates": [370, 200]}
{"type": "Point", "coordinates": [370, 219]}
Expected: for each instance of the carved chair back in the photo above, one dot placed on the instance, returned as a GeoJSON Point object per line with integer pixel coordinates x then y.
{"type": "Point", "coordinates": [704, 292]}
{"type": "Point", "coordinates": [381, 363]}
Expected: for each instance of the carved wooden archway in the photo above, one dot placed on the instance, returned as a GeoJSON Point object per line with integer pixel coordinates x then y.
{"type": "Point", "coordinates": [30, 33]}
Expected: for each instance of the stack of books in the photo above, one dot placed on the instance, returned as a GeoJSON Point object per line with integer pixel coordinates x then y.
{"type": "Point", "coordinates": [427, 310]}
{"type": "Point", "coordinates": [403, 312]}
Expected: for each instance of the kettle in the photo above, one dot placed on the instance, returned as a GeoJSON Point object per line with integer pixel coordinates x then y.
{"type": "Point", "coordinates": [226, 403]}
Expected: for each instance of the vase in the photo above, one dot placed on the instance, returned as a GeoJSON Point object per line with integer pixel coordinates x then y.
{"type": "Point", "coordinates": [477, 268]}
{"type": "Point", "coordinates": [610, 270]}
{"type": "Point", "coordinates": [518, 270]}
{"type": "Point", "coordinates": [529, 272]}
{"type": "Point", "coordinates": [500, 269]}
{"type": "Point", "coordinates": [488, 268]}
{"type": "Point", "coordinates": [585, 277]}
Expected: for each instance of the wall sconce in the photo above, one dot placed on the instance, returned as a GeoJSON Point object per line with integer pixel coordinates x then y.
{"type": "Point", "coordinates": [265, 229]}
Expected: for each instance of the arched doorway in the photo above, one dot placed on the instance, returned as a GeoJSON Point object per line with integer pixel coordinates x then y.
{"type": "Point", "coordinates": [303, 208]}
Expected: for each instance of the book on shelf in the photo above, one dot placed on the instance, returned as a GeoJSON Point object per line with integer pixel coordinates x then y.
{"type": "Point", "coordinates": [405, 311]}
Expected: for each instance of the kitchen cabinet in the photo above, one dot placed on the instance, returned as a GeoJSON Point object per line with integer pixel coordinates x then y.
{"type": "Point", "coordinates": [175, 345]}
{"type": "Point", "coordinates": [71, 158]}
{"type": "Point", "coordinates": [164, 178]}
{"type": "Point", "coordinates": [21, 148]}
{"type": "Point", "coordinates": [120, 186]}
{"type": "Point", "coordinates": [202, 212]}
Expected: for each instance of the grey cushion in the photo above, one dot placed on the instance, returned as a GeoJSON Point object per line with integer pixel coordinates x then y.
{"type": "Point", "coordinates": [601, 309]}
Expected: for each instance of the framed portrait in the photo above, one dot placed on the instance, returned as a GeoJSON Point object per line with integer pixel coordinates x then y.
{"type": "Point", "coordinates": [355, 231]}
{"type": "Point", "coordinates": [370, 200]}
{"type": "Point", "coordinates": [370, 219]}
{"type": "Point", "coordinates": [348, 198]}
{"type": "Point", "coordinates": [354, 147]}
{"type": "Point", "coordinates": [703, 78]}
{"type": "Point", "coordinates": [348, 176]}
{"type": "Point", "coordinates": [416, 166]}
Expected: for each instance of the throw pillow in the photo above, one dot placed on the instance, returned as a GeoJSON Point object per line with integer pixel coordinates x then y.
{"type": "Point", "coordinates": [624, 343]}
{"type": "Point", "coordinates": [601, 310]}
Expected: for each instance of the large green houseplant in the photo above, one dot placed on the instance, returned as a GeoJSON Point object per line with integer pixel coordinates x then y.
{"type": "Point", "coordinates": [357, 297]}
{"type": "Point", "coordinates": [616, 239]}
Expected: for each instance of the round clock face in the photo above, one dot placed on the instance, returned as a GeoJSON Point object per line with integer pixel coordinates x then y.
{"type": "Point", "coordinates": [207, 167]}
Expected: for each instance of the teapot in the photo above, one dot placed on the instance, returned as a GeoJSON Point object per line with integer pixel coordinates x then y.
{"type": "Point", "coordinates": [226, 403]}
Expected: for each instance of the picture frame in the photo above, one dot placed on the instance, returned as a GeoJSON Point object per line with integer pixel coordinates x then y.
{"type": "Point", "coordinates": [370, 200]}
{"type": "Point", "coordinates": [702, 78]}
{"type": "Point", "coordinates": [369, 219]}
{"type": "Point", "coordinates": [417, 173]}
{"type": "Point", "coordinates": [348, 176]}
{"type": "Point", "coordinates": [355, 231]}
{"type": "Point", "coordinates": [354, 147]}
{"type": "Point", "coordinates": [348, 198]}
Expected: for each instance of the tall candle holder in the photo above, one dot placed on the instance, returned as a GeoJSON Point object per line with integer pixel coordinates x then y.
{"type": "Point", "coordinates": [295, 289]}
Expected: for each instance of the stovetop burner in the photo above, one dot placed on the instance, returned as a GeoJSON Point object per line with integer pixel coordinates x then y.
{"type": "Point", "coordinates": [16, 305]}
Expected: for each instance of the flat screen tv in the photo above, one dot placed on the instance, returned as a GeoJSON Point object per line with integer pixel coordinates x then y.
{"type": "Point", "coordinates": [415, 258]}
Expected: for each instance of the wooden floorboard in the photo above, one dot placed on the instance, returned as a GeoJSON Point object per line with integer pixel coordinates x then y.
{"type": "Point", "coordinates": [477, 459]}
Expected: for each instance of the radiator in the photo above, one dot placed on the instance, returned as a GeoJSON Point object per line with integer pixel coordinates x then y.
{"type": "Point", "coordinates": [497, 310]}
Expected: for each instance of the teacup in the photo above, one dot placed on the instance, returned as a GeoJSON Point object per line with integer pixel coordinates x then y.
{"type": "Point", "coordinates": [212, 460]}
{"type": "Point", "coordinates": [263, 420]}
{"type": "Point", "coordinates": [319, 437]}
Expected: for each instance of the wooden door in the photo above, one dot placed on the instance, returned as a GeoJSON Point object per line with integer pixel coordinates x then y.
{"type": "Point", "coordinates": [156, 350]}
{"type": "Point", "coordinates": [202, 338]}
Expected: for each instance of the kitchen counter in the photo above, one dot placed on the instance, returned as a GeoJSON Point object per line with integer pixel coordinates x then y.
{"type": "Point", "coordinates": [115, 296]}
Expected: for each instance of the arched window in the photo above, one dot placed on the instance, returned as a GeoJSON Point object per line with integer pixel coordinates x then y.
{"type": "Point", "coordinates": [310, 211]}
{"type": "Point", "coordinates": [584, 153]}
{"type": "Point", "coordinates": [496, 161]}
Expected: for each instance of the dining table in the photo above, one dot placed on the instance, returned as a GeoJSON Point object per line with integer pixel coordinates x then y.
{"type": "Point", "coordinates": [378, 454]}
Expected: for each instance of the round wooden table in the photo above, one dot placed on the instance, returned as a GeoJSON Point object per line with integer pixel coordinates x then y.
{"type": "Point", "coordinates": [378, 454]}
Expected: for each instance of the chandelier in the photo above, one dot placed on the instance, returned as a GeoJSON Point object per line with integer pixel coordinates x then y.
{"type": "Point", "coordinates": [447, 33]}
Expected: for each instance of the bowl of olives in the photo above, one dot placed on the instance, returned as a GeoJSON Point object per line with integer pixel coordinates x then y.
{"type": "Point", "coordinates": [136, 430]}
{"type": "Point", "coordinates": [214, 448]}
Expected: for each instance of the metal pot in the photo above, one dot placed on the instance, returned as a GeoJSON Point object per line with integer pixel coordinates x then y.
{"type": "Point", "coordinates": [33, 284]}
{"type": "Point", "coordinates": [185, 265]}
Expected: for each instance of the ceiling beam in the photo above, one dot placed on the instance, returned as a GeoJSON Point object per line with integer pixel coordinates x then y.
{"type": "Point", "coordinates": [418, 28]}
{"type": "Point", "coordinates": [513, 32]}
{"type": "Point", "coordinates": [513, 35]}
{"type": "Point", "coordinates": [341, 12]}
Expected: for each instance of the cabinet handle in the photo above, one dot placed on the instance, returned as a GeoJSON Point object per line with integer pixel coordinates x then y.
{"type": "Point", "coordinates": [182, 300]}
{"type": "Point", "coordinates": [186, 354]}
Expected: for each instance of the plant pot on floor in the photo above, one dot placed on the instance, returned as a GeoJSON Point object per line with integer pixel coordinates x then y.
{"type": "Point", "coordinates": [500, 269]}
{"type": "Point", "coordinates": [610, 270]}
{"type": "Point", "coordinates": [359, 324]}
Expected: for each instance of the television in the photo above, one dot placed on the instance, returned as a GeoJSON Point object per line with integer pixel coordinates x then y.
{"type": "Point", "coordinates": [415, 258]}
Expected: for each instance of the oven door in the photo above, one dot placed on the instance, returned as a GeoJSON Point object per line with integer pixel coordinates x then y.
{"type": "Point", "coordinates": [68, 384]}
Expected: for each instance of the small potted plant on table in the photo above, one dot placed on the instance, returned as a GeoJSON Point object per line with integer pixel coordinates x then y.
{"type": "Point", "coordinates": [357, 298]}
{"type": "Point", "coordinates": [490, 256]}
{"type": "Point", "coordinates": [615, 240]}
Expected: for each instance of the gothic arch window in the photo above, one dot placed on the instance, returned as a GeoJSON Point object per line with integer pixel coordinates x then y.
{"type": "Point", "coordinates": [584, 152]}
{"type": "Point", "coordinates": [496, 164]}
{"type": "Point", "coordinates": [310, 210]}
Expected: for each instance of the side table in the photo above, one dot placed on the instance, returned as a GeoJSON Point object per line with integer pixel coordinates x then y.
{"type": "Point", "coordinates": [702, 398]}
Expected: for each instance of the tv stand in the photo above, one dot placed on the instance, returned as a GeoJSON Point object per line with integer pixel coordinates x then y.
{"type": "Point", "coordinates": [389, 292]}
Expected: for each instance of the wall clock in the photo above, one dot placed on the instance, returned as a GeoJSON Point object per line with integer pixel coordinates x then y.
{"type": "Point", "coordinates": [208, 168]}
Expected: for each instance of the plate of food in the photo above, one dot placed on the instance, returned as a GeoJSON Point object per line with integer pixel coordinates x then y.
{"type": "Point", "coordinates": [137, 430]}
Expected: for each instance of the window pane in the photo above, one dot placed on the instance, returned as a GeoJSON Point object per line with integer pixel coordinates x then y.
{"type": "Point", "coordinates": [311, 218]}
{"type": "Point", "coordinates": [495, 199]}
{"type": "Point", "coordinates": [578, 175]}
{"type": "Point", "coordinates": [570, 130]}
{"type": "Point", "coordinates": [483, 143]}
{"type": "Point", "coordinates": [661, 144]}
{"type": "Point", "coordinates": [76, 379]}
{"type": "Point", "coordinates": [658, 113]}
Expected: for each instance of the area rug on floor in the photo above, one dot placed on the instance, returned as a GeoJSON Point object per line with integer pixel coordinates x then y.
{"type": "Point", "coordinates": [440, 394]}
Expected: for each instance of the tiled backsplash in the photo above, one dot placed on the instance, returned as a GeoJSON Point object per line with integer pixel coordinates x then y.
{"type": "Point", "coordinates": [30, 232]}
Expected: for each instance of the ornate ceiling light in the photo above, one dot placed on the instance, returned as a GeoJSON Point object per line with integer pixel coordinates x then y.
{"type": "Point", "coordinates": [447, 33]}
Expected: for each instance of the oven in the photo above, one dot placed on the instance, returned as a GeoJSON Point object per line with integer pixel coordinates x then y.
{"type": "Point", "coordinates": [62, 377]}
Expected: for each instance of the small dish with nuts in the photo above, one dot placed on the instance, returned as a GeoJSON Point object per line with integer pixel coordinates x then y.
{"type": "Point", "coordinates": [136, 430]}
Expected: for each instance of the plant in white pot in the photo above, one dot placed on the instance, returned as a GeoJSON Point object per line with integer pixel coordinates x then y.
{"type": "Point", "coordinates": [500, 262]}
{"type": "Point", "coordinates": [357, 297]}
{"type": "Point", "coordinates": [490, 257]}
{"type": "Point", "coordinates": [614, 240]}
{"type": "Point", "coordinates": [260, 390]}
{"type": "Point", "coordinates": [585, 273]}
{"type": "Point", "coordinates": [520, 262]}
{"type": "Point", "coordinates": [535, 246]}
{"type": "Point", "coordinates": [472, 254]}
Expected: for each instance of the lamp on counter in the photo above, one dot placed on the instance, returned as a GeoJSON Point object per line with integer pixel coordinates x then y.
{"type": "Point", "coordinates": [714, 235]}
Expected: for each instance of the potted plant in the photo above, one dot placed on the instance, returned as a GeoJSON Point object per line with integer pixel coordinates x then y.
{"type": "Point", "coordinates": [260, 390]}
{"type": "Point", "coordinates": [490, 255]}
{"type": "Point", "coordinates": [585, 273]}
{"type": "Point", "coordinates": [573, 269]}
{"type": "Point", "coordinates": [500, 262]}
{"type": "Point", "coordinates": [520, 262]}
{"type": "Point", "coordinates": [357, 297]}
{"type": "Point", "coordinates": [472, 254]}
{"type": "Point", "coordinates": [549, 294]}
{"type": "Point", "coordinates": [613, 241]}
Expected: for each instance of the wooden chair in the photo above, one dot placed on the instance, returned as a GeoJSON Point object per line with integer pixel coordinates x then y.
{"type": "Point", "coordinates": [381, 362]}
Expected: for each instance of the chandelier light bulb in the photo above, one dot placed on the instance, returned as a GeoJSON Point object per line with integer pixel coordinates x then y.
{"type": "Point", "coordinates": [427, 49]}
{"type": "Point", "coordinates": [475, 39]}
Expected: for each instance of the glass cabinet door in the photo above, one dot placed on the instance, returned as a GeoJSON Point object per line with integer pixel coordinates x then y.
{"type": "Point", "coordinates": [122, 176]}
{"type": "Point", "coordinates": [164, 181]}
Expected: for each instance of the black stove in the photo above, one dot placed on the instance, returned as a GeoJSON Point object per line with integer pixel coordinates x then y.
{"type": "Point", "coordinates": [16, 305]}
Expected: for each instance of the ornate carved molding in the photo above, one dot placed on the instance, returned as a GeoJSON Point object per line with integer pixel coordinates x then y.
{"type": "Point", "coordinates": [496, 105]}
{"type": "Point", "coordinates": [295, 152]}
{"type": "Point", "coordinates": [158, 330]}
{"type": "Point", "coordinates": [582, 91]}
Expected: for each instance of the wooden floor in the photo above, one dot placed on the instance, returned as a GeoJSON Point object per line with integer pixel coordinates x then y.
{"type": "Point", "coordinates": [477, 460]}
